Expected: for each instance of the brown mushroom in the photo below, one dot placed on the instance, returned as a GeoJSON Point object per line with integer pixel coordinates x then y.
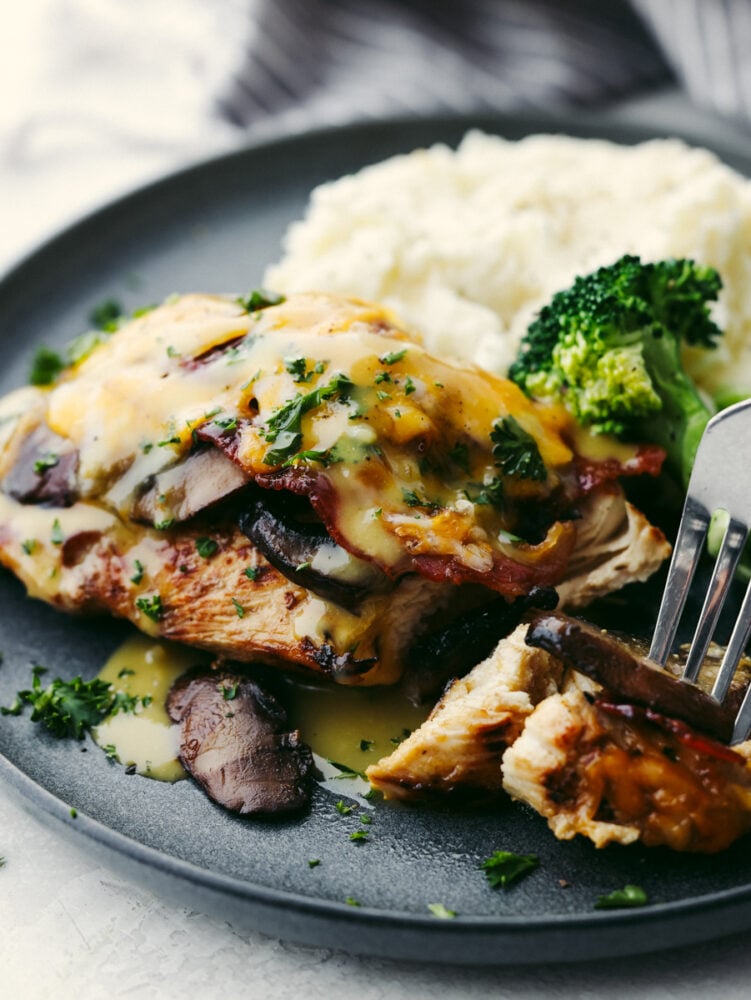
{"type": "Point", "coordinates": [45, 471]}
{"type": "Point", "coordinates": [631, 677]}
{"type": "Point", "coordinates": [235, 742]}
{"type": "Point", "coordinates": [202, 480]}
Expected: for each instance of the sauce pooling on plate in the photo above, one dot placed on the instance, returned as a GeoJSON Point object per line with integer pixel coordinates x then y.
{"type": "Point", "coordinates": [351, 726]}
{"type": "Point", "coordinates": [146, 738]}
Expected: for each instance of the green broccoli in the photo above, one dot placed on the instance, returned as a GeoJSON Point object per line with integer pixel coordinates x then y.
{"type": "Point", "coordinates": [609, 347]}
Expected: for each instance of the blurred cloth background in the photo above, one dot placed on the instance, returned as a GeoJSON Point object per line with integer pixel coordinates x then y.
{"type": "Point", "coordinates": [102, 94]}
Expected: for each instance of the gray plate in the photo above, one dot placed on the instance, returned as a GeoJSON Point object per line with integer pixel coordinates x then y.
{"type": "Point", "coordinates": [215, 227]}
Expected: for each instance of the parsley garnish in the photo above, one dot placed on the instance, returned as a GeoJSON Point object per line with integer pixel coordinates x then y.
{"type": "Point", "coordinates": [359, 835]}
{"type": "Point", "coordinates": [396, 740]}
{"type": "Point", "coordinates": [345, 771]}
{"type": "Point", "coordinates": [284, 427]}
{"type": "Point", "coordinates": [342, 809]}
{"type": "Point", "coordinates": [69, 708]}
{"type": "Point", "coordinates": [151, 606]}
{"type": "Point", "coordinates": [106, 315]}
{"type": "Point", "coordinates": [126, 672]}
{"type": "Point", "coordinates": [73, 812]}
{"type": "Point", "coordinates": [490, 495]}
{"type": "Point", "coordinates": [298, 369]}
{"type": "Point", "coordinates": [206, 547]}
{"type": "Point", "coordinates": [382, 377]}
{"type": "Point", "coordinates": [503, 868]}
{"type": "Point", "coordinates": [629, 895]}
{"type": "Point", "coordinates": [29, 545]}
{"type": "Point", "coordinates": [409, 386]}
{"type": "Point", "coordinates": [45, 366]}
{"type": "Point", "coordinates": [110, 751]}
{"type": "Point", "coordinates": [441, 911]}
{"type": "Point", "coordinates": [229, 693]}
{"type": "Point", "coordinates": [351, 901]}
{"type": "Point", "coordinates": [239, 609]}
{"type": "Point", "coordinates": [393, 357]}
{"type": "Point", "coordinates": [56, 536]}
{"type": "Point", "coordinates": [314, 862]}
{"type": "Point", "coordinates": [516, 450]}
{"type": "Point", "coordinates": [252, 572]}
{"type": "Point", "coordinates": [138, 575]}
{"type": "Point", "coordinates": [366, 745]}
{"type": "Point", "coordinates": [48, 461]}
{"type": "Point", "coordinates": [260, 298]}
{"type": "Point", "coordinates": [412, 499]}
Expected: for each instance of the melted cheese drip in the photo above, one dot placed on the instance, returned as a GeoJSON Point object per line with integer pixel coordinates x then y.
{"type": "Point", "coordinates": [146, 738]}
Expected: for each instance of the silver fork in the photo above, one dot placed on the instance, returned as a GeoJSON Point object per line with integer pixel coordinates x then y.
{"type": "Point", "coordinates": [720, 481]}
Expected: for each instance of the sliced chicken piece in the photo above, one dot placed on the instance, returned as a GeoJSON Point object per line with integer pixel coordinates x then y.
{"type": "Point", "coordinates": [458, 749]}
{"type": "Point", "coordinates": [615, 545]}
{"type": "Point", "coordinates": [590, 770]}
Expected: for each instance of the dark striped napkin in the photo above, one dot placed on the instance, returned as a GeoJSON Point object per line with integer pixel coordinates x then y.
{"type": "Point", "coordinates": [312, 62]}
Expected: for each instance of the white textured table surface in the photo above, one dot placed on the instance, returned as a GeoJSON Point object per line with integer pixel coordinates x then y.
{"type": "Point", "coordinates": [76, 132]}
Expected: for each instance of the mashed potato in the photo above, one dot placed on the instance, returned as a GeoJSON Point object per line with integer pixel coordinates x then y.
{"type": "Point", "coordinates": [466, 245]}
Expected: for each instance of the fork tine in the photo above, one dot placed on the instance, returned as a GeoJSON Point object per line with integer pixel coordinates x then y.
{"type": "Point", "coordinates": [688, 546]}
{"type": "Point", "coordinates": [735, 648]}
{"type": "Point", "coordinates": [727, 560]}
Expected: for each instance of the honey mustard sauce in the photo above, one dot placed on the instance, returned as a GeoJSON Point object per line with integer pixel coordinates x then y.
{"type": "Point", "coordinates": [146, 738]}
{"type": "Point", "coordinates": [352, 727]}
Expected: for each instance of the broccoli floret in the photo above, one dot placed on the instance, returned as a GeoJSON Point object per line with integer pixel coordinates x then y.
{"type": "Point", "coordinates": [608, 348]}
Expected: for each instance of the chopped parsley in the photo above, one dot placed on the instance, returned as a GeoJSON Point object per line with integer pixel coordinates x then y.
{"type": "Point", "coordinates": [260, 298]}
{"type": "Point", "coordinates": [314, 862]}
{"type": "Point", "coordinates": [413, 499]}
{"type": "Point", "coordinates": [284, 426]}
{"type": "Point", "coordinates": [516, 450]}
{"type": "Point", "coordinates": [69, 708]}
{"type": "Point", "coordinates": [126, 672]}
{"type": "Point", "coordinates": [366, 745]}
{"type": "Point", "coordinates": [628, 896]}
{"type": "Point", "coordinates": [252, 572]}
{"type": "Point", "coordinates": [229, 693]}
{"type": "Point", "coordinates": [396, 740]}
{"type": "Point", "coordinates": [175, 439]}
{"type": "Point", "coordinates": [345, 771]}
{"type": "Point", "coordinates": [151, 606]}
{"type": "Point", "coordinates": [46, 365]}
{"type": "Point", "coordinates": [47, 461]}
{"type": "Point", "coordinates": [110, 751]}
{"type": "Point", "coordinates": [239, 609]}
{"type": "Point", "coordinates": [441, 911]}
{"type": "Point", "coordinates": [164, 525]}
{"type": "Point", "coordinates": [29, 545]}
{"type": "Point", "coordinates": [351, 901]}
{"type": "Point", "coordinates": [106, 316]}
{"type": "Point", "coordinates": [298, 369]}
{"type": "Point", "coordinates": [491, 494]}
{"type": "Point", "coordinates": [359, 836]}
{"type": "Point", "coordinates": [503, 868]}
{"type": "Point", "coordinates": [73, 812]}
{"type": "Point", "coordinates": [56, 536]}
{"type": "Point", "coordinates": [139, 571]}
{"type": "Point", "coordinates": [342, 809]}
{"type": "Point", "coordinates": [409, 386]}
{"type": "Point", "coordinates": [206, 547]}
{"type": "Point", "coordinates": [382, 377]}
{"type": "Point", "coordinates": [393, 357]}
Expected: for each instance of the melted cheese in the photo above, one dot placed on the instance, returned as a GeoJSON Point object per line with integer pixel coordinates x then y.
{"type": "Point", "coordinates": [154, 382]}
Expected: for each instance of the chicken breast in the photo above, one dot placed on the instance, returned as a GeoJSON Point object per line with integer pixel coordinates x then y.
{"type": "Point", "coordinates": [457, 751]}
{"type": "Point", "coordinates": [618, 779]}
{"type": "Point", "coordinates": [296, 482]}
